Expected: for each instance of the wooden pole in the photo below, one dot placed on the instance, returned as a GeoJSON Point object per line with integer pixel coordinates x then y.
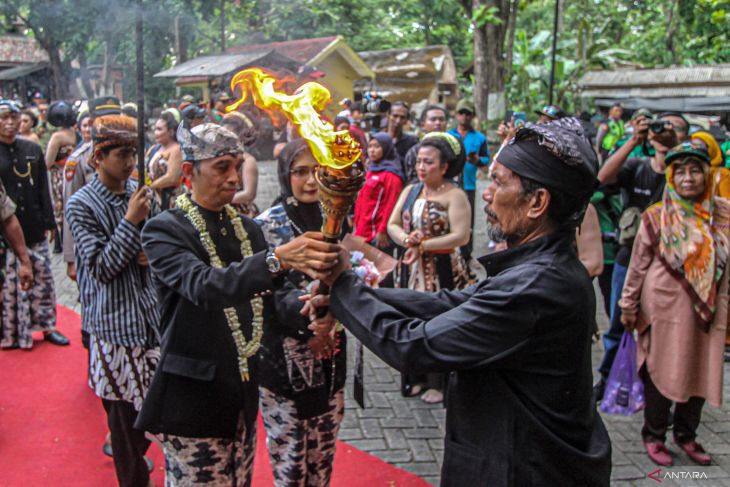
{"type": "Point", "coordinates": [555, 48]}
{"type": "Point", "coordinates": [139, 41]}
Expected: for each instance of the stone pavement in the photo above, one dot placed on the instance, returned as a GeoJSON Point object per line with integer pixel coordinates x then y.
{"type": "Point", "coordinates": [409, 433]}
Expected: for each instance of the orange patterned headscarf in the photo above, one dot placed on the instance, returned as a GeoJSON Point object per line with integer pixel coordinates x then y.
{"type": "Point", "coordinates": [693, 240]}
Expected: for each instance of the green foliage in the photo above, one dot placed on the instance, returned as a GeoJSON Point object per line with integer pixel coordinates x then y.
{"type": "Point", "coordinates": [596, 34]}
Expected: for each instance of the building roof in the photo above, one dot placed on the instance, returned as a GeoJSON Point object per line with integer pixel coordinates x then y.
{"type": "Point", "coordinates": [301, 50]}
{"type": "Point", "coordinates": [217, 65]}
{"type": "Point", "coordinates": [430, 62]}
{"type": "Point", "coordinates": [310, 52]}
{"type": "Point", "coordinates": [12, 74]}
{"type": "Point", "coordinates": [15, 49]}
{"type": "Point", "coordinates": [675, 81]}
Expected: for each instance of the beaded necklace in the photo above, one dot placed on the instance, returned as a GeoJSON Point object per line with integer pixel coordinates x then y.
{"type": "Point", "coordinates": [245, 349]}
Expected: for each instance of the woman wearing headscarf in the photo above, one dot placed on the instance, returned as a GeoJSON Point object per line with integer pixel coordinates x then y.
{"type": "Point", "coordinates": [301, 376]}
{"type": "Point", "coordinates": [377, 198]}
{"type": "Point", "coordinates": [431, 220]}
{"type": "Point", "coordinates": [675, 296]}
{"type": "Point", "coordinates": [720, 174]}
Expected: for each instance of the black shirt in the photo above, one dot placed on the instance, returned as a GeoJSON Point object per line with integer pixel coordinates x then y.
{"type": "Point", "coordinates": [23, 172]}
{"type": "Point", "coordinates": [404, 144]}
{"type": "Point", "coordinates": [197, 389]}
{"type": "Point", "coordinates": [642, 187]}
{"type": "Point", "coordinates": [520, 401]}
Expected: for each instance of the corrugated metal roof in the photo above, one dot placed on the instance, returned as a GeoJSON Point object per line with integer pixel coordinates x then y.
{"type": "Point", "coordinates": [222, 64]}
{"type": "Point", "coordinates": [20, 71]}
{"type": "Point", "coordinates": [675, 77]}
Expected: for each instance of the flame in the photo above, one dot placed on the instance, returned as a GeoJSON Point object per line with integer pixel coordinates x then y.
{"type": "Point", "coordinates": [329, 147]}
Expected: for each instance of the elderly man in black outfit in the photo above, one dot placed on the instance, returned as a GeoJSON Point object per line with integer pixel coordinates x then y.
{"type": "Point", "coordinates": [517, 344]}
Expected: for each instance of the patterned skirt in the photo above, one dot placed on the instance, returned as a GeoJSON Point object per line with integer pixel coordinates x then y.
{"type": "Point", "coordinates": [34, 310]}
{"type": "Point", "coordinates": [301, 451]}
{"type": "Point", "coordinates": [56, 176]}
{"type": "Point", "coordinates": [119, 373]}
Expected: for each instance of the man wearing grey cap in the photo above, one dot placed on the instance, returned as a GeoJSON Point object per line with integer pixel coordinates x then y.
{"type": "Point", "coordinates": [213, 272]}
{"type": "Point", "coordinates": [517, 344]}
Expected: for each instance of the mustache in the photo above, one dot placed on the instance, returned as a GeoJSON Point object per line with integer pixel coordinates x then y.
{"type": "Point", "coordinates": [489, 212]}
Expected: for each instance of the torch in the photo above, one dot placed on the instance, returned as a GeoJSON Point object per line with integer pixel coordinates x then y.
{"type": "Point", "coordinates": [338, 177]}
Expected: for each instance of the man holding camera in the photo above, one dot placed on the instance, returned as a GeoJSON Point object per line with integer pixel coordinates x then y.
{"type": "Point", "coordinates": [642, 180]}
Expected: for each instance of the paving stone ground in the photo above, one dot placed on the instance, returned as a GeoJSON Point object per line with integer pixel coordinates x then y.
{"type": "Point", "coordinates": [409, 433]}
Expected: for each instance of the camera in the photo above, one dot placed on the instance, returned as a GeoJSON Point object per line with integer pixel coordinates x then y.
{"type": "Point", "coordinates": [374, 103]}
{"type": "Point", "coordinates": [658, 126]}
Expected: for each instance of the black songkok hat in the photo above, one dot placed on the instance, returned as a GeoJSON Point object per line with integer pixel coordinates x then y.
{"type": "Point", "coordinates": [105, 105]}
{"type": "Point", "coordinates": [556, 154]}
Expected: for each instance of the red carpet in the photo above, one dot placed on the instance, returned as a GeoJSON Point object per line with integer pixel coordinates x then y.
{"type": "Point", "coordinates": [52, 426]}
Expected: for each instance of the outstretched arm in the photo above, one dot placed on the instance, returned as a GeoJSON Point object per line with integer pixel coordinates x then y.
{"type": "Point", "coordinates": [484, 328]}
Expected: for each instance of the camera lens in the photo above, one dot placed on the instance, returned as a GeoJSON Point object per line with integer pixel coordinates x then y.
{"type": "Point", "coordinates": [657, 126]}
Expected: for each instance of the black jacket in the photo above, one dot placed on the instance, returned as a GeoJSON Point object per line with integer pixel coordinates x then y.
{"type": "Point", "coordinates": [23, 172]}
{"type": "Point", "coordinates": [197, 390]}
{"type": "Point", "coordinates": [520, 409]}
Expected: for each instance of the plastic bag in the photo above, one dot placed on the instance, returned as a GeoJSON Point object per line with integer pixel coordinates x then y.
{"type": "Point", "coordinates": [624, 393]}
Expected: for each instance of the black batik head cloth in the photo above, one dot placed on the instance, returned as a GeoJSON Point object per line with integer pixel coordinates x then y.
{"type": "Point", "coordinates": [207, 141]}
{"type": "Point", "coordinates": [556, 154]}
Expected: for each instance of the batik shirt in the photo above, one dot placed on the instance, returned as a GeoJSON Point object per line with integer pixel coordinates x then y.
{"type": "Point", "coordinates": [287, 366]}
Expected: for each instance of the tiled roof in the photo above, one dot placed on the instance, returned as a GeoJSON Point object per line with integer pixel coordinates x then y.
{"type": "Point", "coordinates": [20, 50]}
{"type": "Point", "coordinates": [301, 50]}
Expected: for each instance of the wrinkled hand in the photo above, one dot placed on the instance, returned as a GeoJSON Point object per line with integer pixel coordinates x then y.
{"type": "Point", "coordinates": [310, 254]}
{"type": "Point", "coordinates": [139, 206]}
{"type": "Point", "coordinates": [411, 255]}
{"type": "Point", "coordinates": [142, 259]}
{"type": "Point", "coordinates": [25, 275]}
{"type": "Point", "coordinates": [382, 241]}
{"type": "Point", "coordinates": [71, 270]}
{"type": "Point", "coordinates": [628, 319]}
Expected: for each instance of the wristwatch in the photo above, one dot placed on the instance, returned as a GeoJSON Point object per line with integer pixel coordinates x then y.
{"type": "Point", "coordinates": [272, 262]}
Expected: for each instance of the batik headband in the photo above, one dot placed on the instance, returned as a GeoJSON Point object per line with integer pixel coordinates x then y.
{"type": "Point", "coordinates": [450, 139]}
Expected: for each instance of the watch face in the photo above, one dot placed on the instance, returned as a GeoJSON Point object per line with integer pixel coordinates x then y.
{"type": "Point", "coordinates": [273, 263]}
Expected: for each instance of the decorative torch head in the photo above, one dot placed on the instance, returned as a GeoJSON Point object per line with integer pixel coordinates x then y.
{"type": "Point", "coordinates": [338, 176]}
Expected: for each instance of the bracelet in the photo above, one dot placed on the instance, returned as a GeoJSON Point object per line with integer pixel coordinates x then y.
{"type": "Point", "coordinates": [421, 247]}
{"type": "Point", "coordinates": [406, 241]}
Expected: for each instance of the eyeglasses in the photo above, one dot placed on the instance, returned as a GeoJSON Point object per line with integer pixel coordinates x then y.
{"type": "Point", "coordinates": [304, 172]}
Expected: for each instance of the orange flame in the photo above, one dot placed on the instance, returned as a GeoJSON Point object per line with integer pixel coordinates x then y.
{"type": "Point", "coordinates": [329, 147]}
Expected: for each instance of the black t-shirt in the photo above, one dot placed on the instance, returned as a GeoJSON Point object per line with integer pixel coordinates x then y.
{"type": "Point", "coordinates": [642, 187]}
{"type": "Point", "coordinates": [404, 144]}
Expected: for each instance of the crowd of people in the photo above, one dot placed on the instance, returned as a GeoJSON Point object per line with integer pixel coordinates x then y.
{"type": "Point", "coordinates": [196, 318]}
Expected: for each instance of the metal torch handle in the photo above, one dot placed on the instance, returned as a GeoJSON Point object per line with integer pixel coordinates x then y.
{"type": "Point", "coordinates": [324, 289]}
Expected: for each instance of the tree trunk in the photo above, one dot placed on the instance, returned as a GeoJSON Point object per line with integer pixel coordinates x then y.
{"type": "Point", "coordinates": [481, 75]}
{"type": "Point", "coordinates": [509, 48]}
{"type": "Point", "coordinates": [59, 79]}
{"type": "Point", "coordinates": [84, 74]}
{"type": "Point", "coordinates": [671, 27]}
